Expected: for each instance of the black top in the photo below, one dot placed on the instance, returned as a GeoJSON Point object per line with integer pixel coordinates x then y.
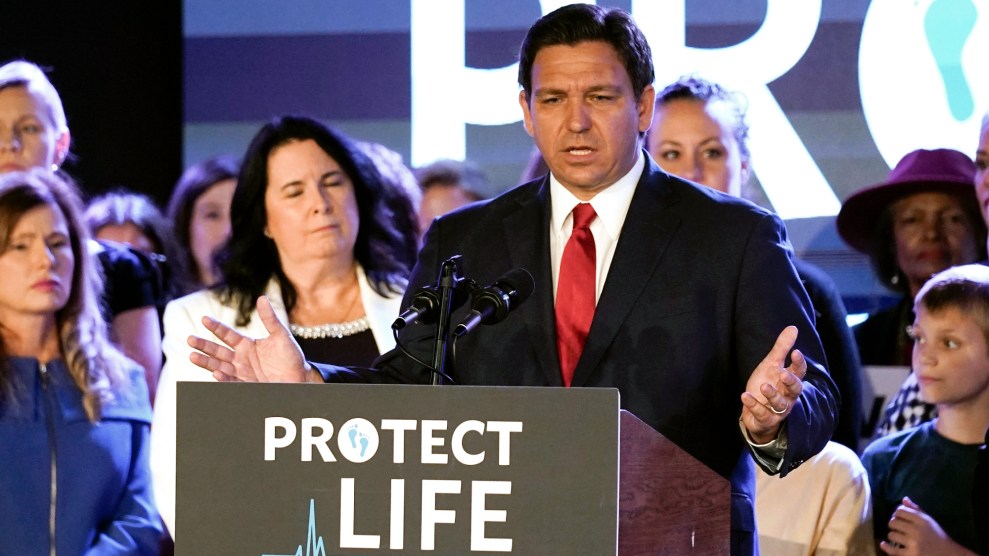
{"type": "Point", "coordinates": [980, 497]}
{"type": "Point", "coordinates": [130, 280]}
{"type": "Point", "coordinates": [358, 350]}
{"type": "Point", "coordinates": [839, 348]}
{"type": "Point", "coordinates": [937, 473]}
{"type": "Point", "coordinates": [882, 338]}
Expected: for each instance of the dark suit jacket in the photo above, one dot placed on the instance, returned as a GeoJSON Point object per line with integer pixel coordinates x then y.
{"type": "Point", "coordinates": [840, 349]}
{"type": "Point", "coordinates": [699, 288]}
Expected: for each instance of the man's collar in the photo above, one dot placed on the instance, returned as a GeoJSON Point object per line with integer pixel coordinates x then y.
{"type": "Point", "coordinates": [611, 203]}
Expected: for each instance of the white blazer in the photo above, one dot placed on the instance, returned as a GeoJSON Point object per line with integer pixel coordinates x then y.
{"type": "Point", "coordinates": [182, 319]}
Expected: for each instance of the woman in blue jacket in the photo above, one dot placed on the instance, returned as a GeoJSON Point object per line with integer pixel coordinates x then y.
{"type": "Point", "coordinates": [74, 413]}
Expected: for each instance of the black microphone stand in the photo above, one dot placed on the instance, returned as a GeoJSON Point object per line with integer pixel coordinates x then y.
{"type": "Point", "coordinates": [448, 280]}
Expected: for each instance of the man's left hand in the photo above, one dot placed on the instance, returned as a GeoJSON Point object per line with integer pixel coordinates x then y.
{"type": "Point", "coordinates": [773, 389]}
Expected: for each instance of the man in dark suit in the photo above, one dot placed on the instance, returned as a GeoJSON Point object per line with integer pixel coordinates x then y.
{"type": "Point", "coordinates": [689, 287]}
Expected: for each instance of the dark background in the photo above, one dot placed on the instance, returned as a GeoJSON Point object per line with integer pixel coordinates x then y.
{"type": "Point", "coordinates": [118, 68]}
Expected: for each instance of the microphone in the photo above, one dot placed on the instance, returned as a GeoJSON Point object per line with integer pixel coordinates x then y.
{"type": "Point", "coordinates": [426, 303]}
{"type": "Point", "coordinates": [493, 303]}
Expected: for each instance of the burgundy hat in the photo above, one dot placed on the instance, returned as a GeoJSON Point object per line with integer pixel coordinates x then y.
{"type": "Point", "coordinates": [921, 171]}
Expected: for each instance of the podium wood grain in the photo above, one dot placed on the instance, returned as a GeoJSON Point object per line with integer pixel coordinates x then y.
{"type": "Point", "coordinates": [668, 502]}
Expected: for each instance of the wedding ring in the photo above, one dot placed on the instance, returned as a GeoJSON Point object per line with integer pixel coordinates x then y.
{"type": "Point", "coordinates": [782, 411]}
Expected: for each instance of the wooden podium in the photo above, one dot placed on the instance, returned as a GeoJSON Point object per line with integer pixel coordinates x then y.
{"type": "Point", "coordinates": [669, 503]}
{"type": "Point", "coordinates": [282, 470]}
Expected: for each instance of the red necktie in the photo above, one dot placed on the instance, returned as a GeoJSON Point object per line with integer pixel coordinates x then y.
{"type": "Point", "coordinates": [575, 291]}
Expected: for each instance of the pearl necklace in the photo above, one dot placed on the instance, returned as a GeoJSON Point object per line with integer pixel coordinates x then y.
{"type": "Point", "coordinates": [331, 330]}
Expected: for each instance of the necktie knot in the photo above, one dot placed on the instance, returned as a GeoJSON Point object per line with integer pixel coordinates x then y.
{"type": "Point", "coordinates": [583, 214]}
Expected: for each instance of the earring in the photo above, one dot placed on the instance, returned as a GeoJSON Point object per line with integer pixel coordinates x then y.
{"type": "Point", "coordinates": [267, 234]}
{"type": "Point", "coordinates": [895, 279]}
{"type": "Point", "coordinates": [60, 156]}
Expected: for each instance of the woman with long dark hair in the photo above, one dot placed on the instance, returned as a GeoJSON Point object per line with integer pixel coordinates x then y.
{"type": "Point", "coordinates": [200, 213]}
{"type": "Point", "coordinates": [314, 230]}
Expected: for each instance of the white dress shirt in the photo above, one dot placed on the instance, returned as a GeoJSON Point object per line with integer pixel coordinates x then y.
{"type": "Point", "coordinates": [611, 206]}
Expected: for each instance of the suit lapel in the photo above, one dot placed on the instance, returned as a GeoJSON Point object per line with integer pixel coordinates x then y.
{"type": "Point", "coordinates": [532, 253]}
{"type": "Point", "coordinates": [646, 234]}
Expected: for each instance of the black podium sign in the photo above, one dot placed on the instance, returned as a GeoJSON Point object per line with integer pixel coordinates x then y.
{"type": "Point", "coordinates": [285, 469]}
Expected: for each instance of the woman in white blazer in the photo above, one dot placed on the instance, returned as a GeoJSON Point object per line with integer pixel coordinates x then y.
{"type": "Point", "coordinates": [316, 229]}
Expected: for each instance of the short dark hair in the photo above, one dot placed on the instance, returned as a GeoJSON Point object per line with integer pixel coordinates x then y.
{"type": "Point", "coordinates": [965, 288]}
{"type": "Point", "coordinates": [249, 259]}
{"type": "Point", "coordinates": [691, 87]}
{"type": "Point", "coordinates": [121, 206]}
{"type": "Point", "coordinates": [458, 173]}
{"type": "Point", "coordinates": [195, 181]}
{"type": "Point", "coordinates": [579, 23]}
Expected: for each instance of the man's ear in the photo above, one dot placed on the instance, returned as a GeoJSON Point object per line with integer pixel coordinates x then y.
{"type": "Point", "coordinates": [526, 114]}
{"type": "Point", "coordinates": [647, 105]}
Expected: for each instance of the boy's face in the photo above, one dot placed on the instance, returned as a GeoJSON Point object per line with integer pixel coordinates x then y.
{"type": "Point", "coordinates": [950, 357]}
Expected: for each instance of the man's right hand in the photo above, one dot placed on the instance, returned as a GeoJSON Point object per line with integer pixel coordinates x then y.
{"type": "Point", "coordinates": [277, 358]}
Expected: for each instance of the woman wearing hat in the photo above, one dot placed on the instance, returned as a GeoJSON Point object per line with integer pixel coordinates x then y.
{"type": "Point", "coordinates": [923, 219]}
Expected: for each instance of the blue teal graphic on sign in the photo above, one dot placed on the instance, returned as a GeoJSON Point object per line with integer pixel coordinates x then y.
{"type": "Point", "coordinates": [314, 543]}
{"type": "Point", "coordinates": [357, 438]}
{"type": "Point", "coordinates": [948, 26]}
{"type": "Point", "coordinates": [921, 74]}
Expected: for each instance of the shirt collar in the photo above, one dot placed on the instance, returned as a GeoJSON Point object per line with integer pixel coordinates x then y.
{"type": "Point", "coordinates": [611, 204]}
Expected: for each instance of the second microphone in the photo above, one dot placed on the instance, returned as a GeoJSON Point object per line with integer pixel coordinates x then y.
{"type": "Point", "coordinates": [492, 304]}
